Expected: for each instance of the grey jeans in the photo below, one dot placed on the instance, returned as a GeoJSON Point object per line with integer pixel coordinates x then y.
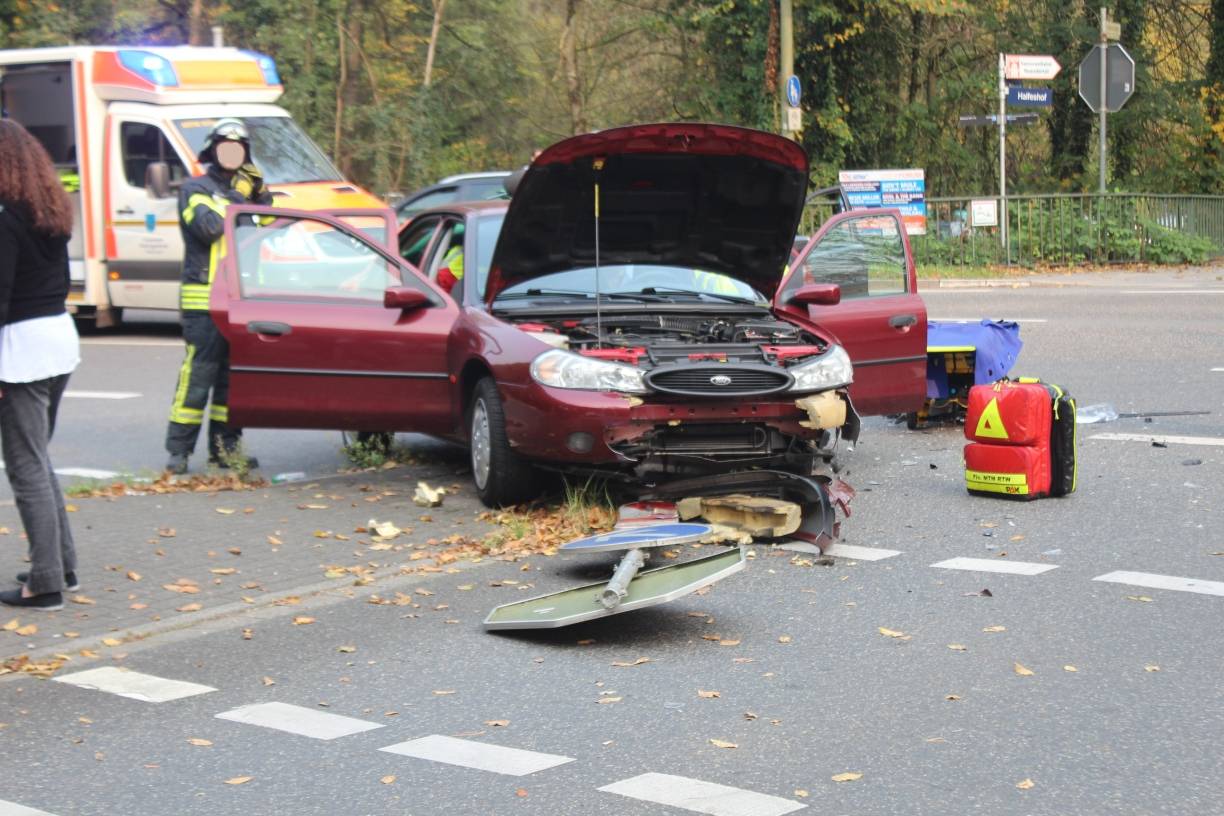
{"type": "Point", "coordinates": [27, 420]}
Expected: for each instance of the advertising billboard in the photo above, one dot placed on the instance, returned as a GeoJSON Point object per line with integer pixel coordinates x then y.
{"type": "Point", "coordinates": [904, 190]}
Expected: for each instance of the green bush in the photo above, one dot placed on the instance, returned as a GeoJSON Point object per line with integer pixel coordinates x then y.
{"type": "Point", "coordinates": [1166, 246]}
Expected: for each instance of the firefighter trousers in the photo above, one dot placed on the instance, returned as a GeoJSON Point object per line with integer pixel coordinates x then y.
{"type": "Point", "coordinates": [205, 369]}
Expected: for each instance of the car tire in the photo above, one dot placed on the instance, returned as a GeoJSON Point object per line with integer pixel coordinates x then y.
{"type": "Point", "coordinates": [500, 475]}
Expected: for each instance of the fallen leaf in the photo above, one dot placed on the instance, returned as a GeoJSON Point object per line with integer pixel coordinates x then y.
{"type": "Point", "coordinates": [247, 634]}
{"type": "Point", "coordinates": [952, 697]}
{"type": "Point", "coordinates": [708, 695]}
{"type": "Point", "coordinates": [302, 620]}
{"type": "Point", "coordinates": [268, 681]}
{"type": "Point", "coordinates": [27, 630]}
{"type": "Point", "coordinates": [784, 639]}
{"type": "Point", "coordinates": [1151, 668]}
{"type": "Point", "coordinates": [11, 625]}
{"type": "Point", "coordinates": [608, 700]}
{"type": "Point", "coordinates": [728, 643]}
{"type": "Point", "coordinates": [134, 576]}
{"type": "Point", "coordinates": [191, 607]}
{"type": "Point", "coordinates": [166, 532]}
{"type": "Point", "coordinates": [387, 780]}
{"type": "Point", "coordinates": [1070, 669]}
{"type": "Point", "coordinates": [70, 508]}
{"type": "Point", "coordinates": [957, 647]}
{"type": "Point", "coordinates": [497, 723]}
{"type": "Point", "coordinates": [1139, 598]}
{"type": "Point", "coordinates": [223, 571]}
{"type": "Point", "coordinates": [225, 511]}
{"type": "Point", "coordinates": [521, 793]}
{"type": "Point", "coordinates": [1025, 784]}
{"type": "Point", "coordinates": [717, 743]}
{"type": "Point", "coordinates": [239, 780]}
{"type": "Point", "coordinates": [274, 541]}
{"type": "Point", "coordinates": [621, 664]}
{"type": "Point", "coordinates": [347, 649]}
{"type": "Point", "coordinates": [849, 776]}
{"type": "Point", "coordinates": [801, 793]}
{"type": "Point", "coordinates": [892, 633]}
{"type": "Point", "coordinates": [443, 692]}
{"type": "Point", "coordinates": [1022, 671]}
{"type": "Point", "coordinates": [200, 742]}
{"type": "Point", "coordinates": [995, 629]}
{"type": "Point", "coordinates": [1016, 538]}
{"type": "Point", "coordinates": [83, 600]}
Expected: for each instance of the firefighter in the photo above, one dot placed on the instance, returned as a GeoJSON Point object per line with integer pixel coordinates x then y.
{"type": "Point", "coordinates": [230, 178]}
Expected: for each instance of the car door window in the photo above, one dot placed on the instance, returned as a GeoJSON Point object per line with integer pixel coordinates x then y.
{"type": "Point", "coordinates": [415, 240]}
{"type": "Point", "coordinates": [303, 259]}
{"type": "Point", "coordinates": [865, 256]}
{"type": "Point", "coordinates": [142, 144]}
{"type": "Point", "coordinates": [447, 252]}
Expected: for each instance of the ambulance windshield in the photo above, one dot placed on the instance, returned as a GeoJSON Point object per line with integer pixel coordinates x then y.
{"type": "Point", "coordinates": [282, 151]}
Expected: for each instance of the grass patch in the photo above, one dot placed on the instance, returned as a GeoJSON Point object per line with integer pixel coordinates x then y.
{"type": "Point", "coordinates": [377, 450]}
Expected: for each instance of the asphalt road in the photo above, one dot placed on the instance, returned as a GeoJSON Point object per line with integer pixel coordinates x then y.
{"type": "Point", "coordinates": [1057, 694]}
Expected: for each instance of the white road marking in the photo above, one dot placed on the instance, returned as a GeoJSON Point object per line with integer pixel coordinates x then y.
{"type": "Point", "coordinates": [1173, 291]}
{"type": "Point", "coordinates": [701, 797]}
{"type": "Point", "coordinates": [996, 565]}
{"type": "Point", "coordinates": [105, 395]}
{"type": "Point", "coordinates": [1217, 369]}
{"type": "Point", "coordinates": [305, 722]}
{"type": "Point", "coordinates": [149, 342]}
{"type": "Point", "coordinates": [1147, 579]}
{"type": "Point", "coordinates": [82, 473]}
{"type": "Point", "coordinates": [977, 320]}
{"type": "Point", "coordinates": [860, 553]}
{"type": "Point", "coordinates": [1149, 438]}
{"type": "Point", "coordinates": [479, 755]}
{"type": "Point", "coordinates": [14, 809]}
{"type": "Point", "coordinates": [133, 685]}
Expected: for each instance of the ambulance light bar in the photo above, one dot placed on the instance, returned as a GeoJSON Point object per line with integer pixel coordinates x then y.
{"type": "Point", "coordinates": [153, 68]}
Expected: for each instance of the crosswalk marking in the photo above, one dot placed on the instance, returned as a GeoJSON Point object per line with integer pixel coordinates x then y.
{"type": "Point", "coordinates": [701, 797]}
{"type": "Point", "coordinates": [14, 809]}
{"type": "Point", "coordinates": [105, 395]}
{"type": "Point", "coordinates": [1168, 440]}
{"type": "Point", "coordinates": [860, 553]}
{"type": "Point", "coordinates": [996, 565]}
{"type": "Point", "coordinates": [305, 722]}
{"type": "Point", "coordinates": [479, 755]}
{"type": "Point", "coordinates": [133, 685]}
{"type": "Point", "coordinates": [1152, 581]}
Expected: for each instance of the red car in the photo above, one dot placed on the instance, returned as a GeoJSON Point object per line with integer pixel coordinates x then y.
{"type": "Point", "coordinates": [628, 313]}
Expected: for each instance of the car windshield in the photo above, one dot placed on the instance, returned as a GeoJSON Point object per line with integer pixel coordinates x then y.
{"type": "Point", "coordinates": [283, 153]}
{"type": "Point", "coordinates": [653, 283]}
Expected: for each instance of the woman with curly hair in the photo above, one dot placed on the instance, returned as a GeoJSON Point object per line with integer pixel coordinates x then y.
{"type": "Point", "coordinates": [38, 350]}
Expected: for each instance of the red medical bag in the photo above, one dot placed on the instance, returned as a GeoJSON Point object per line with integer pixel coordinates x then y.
{"type": "Point", "coordinates": [1022, 440]}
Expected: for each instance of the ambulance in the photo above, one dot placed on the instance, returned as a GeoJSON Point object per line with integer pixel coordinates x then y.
{"type": "Point", "coordinates": [124, 126]}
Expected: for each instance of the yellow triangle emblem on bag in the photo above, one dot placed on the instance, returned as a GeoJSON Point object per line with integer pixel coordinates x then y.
{"type": "Point", "coordinates": [990, 424]}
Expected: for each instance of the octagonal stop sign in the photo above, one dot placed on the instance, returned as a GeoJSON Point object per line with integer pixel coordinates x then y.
{"type": "Point", "coordinates": [1119, 78]}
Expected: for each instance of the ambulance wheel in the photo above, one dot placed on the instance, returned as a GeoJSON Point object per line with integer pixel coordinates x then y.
{"type": "Point", "coordinates": [501, 476]}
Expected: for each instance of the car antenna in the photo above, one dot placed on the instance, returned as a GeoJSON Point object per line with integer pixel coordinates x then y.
{"type": "Point", "coordinates": [598, 166]}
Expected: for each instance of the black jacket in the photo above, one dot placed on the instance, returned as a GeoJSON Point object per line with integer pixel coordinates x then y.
{"type": "Point", "coordinates": [33, 268]}
{"type": "Point", "coordinates": [202, 202]}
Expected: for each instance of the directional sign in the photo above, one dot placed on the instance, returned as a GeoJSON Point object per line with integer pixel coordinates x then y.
{"type": "Point", "coordinates": [1030, 66]}
{"type": "Point", "coordinates": [1012, 119]}
{"type": "Point", "coordinates": [1119, 78]}
{"type": "Point", "coordinates": [792, 91]}
{"type": "Point", "coordinates": [1030, 97]}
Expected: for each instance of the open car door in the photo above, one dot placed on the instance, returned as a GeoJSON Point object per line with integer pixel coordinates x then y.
{"type": "Point", "coordinates": [880, 318]}
{"type": "Point", "coordinates": [327, 327]}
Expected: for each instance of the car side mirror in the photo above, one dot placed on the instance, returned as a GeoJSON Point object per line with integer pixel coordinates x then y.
{"type": "Point", "coordinates": [817, 294]}
{"type": "Point", "coordinates": [157, 180]}
{"type": "Point", "coordinates": [404, 298]}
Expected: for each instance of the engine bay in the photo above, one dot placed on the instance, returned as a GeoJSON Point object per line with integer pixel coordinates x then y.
{"type": "Point", "coordinates": [651, 340]}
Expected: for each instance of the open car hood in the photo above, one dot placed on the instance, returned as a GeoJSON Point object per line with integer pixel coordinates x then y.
{"type": "Point", "coordinates": [711, 197]}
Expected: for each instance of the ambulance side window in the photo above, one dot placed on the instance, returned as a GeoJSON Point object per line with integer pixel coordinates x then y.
{"type": "Point", "coordinates": [142, 144]}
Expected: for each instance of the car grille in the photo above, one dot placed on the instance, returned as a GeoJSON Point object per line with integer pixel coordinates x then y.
{"type": "Point", "coordinates": [712, 380]}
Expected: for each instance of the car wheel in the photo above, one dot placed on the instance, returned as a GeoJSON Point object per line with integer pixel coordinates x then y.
{"type": "Point", "coordinates": [500, 475]}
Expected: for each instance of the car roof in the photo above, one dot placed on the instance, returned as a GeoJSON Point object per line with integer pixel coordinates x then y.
{"type": "Point", "coordinates": [492, 174]}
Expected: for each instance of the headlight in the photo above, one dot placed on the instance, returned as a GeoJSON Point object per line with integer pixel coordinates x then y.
{"type": "Point", "coordinates": [561, 369]}
{"type": "Point", "coordinates": [831, 370]}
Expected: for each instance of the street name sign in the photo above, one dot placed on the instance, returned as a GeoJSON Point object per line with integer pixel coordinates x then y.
{"type": "Point", "coordinates": [1030, 97]}
{"type": "Point", "coordinates": [1030, 66]}
{"type": "Point", "coordinates": [992, 119]}
{"type": "Point", "coordinates": [1119, 78]}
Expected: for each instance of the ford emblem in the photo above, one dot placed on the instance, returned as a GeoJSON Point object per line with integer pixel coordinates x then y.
{"type": "Point", "coordinates": [720, 379]}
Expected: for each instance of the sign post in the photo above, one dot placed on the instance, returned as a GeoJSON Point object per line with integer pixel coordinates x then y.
{"type": "Point", "coordinates": [1018, 66]}
{"type": "Point", "coordinates": [1106, 82]}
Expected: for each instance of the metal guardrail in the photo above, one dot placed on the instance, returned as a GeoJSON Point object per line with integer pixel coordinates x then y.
{"type": "Point", "coordinates": [1061, 229]}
